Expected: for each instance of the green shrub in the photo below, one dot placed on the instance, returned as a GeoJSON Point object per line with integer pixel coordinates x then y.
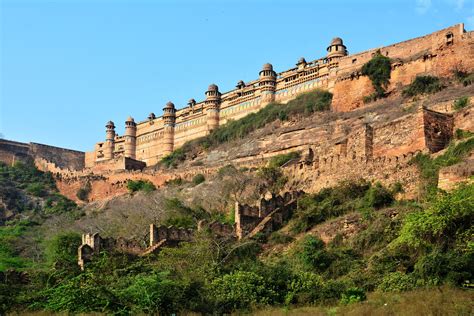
{"type": "Point", "coordinates": [198, 179]}
{"type": "Point", "coordinates": [423, 85]}
{"type": "Point", "coordinates": [314, 254]}
{"type": "Point", "coordinates": [61, 250]}
{"type": "Point", "coordinates": [58, 203]}
{"type": "Point", "coordinates": [83, 193]}
{"type": "Point", "coordinates": [329, 202]}
{"type": "Point", "coordinates": [429, 168]}
{"type": "Point", "coordinates": [378, 70]}
{"type": "Point", "coordinates": [240, 290]}
{"type": "Point", "coordinates": [37, 189]}
{"type": "Point", "coordinates": [273, 178]}
{"type": "Point", "coordinates": [397, 282]}
{"type": "Point", "coordinates": [461, 103]}
{"type": "Point", "coordinates": [377, 196]}
{"type": "Point", "coordinates": [353, 295]}
{"type": "Point", "coordinates": [279, 238]}
{"type": "Point", "coordinates": [463, 77]}
{"type": "Point", "coordinates": [462, 134]}
{"type": "Point", "coordinates": [174, 158]}
{"type": "Point", "coordinates": [279, 160]}
{"type": "Point", "coordinates": [174, 182]}
{"type": "Point", "coordinates": [447, 216]}
{"type": "Point", "coordinates": [140, 185]}
{"type": "Point", "coordinates": [153, 293]}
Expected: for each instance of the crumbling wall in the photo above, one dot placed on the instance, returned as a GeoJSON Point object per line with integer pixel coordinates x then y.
{"type": "Point", "coordinates": [438, 129]}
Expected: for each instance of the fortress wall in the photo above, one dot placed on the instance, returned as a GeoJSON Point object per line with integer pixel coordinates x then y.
{"type": "Point", "coordinates": [189, 130]}
{"type": "Point", "coordinates": [11, 151]}
{"type": "Point", "coordinates": [399, 136]}
{"type": "Point", "coordinates": [403, 50]}
{"type": "Point", "coordinates": [430, 54]}
{"type": "Point", "coordinates": [51, 158]}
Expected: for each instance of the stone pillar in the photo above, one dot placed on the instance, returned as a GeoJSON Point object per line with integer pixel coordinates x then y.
{"type": "Point", "coordinates": [130, 138]}
{"type": "Point", "coordinates": [267, 84]}
{"type": "Point", "coordinates": [212, 104]}
{"type": "Point", "coordinates": [169, 118]}
{"type": "Point", "coordinates": [238, 222]}
{"type": "Point", "coordinates": [153, 235]}
{"type": "Point", "coordinates": [109, 140]}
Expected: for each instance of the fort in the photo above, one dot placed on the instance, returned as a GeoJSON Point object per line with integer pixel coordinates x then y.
{"type": "Point", "coordinates": [352, 140]}
{"type": "Point", "coordinates": [145, 142]}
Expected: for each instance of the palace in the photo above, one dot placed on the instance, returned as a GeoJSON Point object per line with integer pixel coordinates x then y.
{"type": "Point", "coordinates": [145, 142]}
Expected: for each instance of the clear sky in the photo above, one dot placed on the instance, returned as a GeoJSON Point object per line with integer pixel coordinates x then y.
{"type": "Point", "coordinates": [67, 67]}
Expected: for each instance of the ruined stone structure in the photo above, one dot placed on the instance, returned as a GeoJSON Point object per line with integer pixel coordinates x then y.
{"type": "Point", "coordinates": [270, 213]}
{"type": "Point", "coordinates": [149, 140]}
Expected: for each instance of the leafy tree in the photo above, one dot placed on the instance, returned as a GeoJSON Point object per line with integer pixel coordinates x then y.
{"type": "Point", "coordinates": [378, 70]}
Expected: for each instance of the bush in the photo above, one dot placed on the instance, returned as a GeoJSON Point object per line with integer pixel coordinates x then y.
{"type": "Point", "coordinates": [423, 85]}
{"type": "Point", "coordinates": [462, 134]}
{"type": "Point", "coordinates": [377, 196]}
{"type": "Point", "coordinates": [463, 77]}
{"type": "Point", "coordinates": [353, 295]}
{"type": "Point", "coordinates": [198, 179]}
{"type": "Point", "coordinates": [240, 290]}
{"type": "Point", "coordinates": [447, 216]}
{"type": "Point", "coordinates": [461, 103]}
{"type": "Point", "coordinates": [329, 202]}
{"type": "Point", "coordinates": [314, 255]}
{"type": "Point", "coordinates": [83, 193]}
{"type": "Point", "coordinates": [396, 282]}
{"type": "Point", "coordinates": [37, 189]}
{"type": "Point", "coordinates": [174, 182]}
{"type": "Point", "coordinates": [61, 250]}
{"type": "Point", "coordinates": [378, 70]}
{"type": "Point", "coordinates": [279, 238]}
{"type": "Point", "coordinates": [140, 185]}
{"type": "Point", "coordinates": [279, 160]}
{"type": "Point", "coordinates": [273, 178]}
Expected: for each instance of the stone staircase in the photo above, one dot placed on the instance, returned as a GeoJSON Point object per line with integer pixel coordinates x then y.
{"type": "Point", "coordinates": [154, 248]}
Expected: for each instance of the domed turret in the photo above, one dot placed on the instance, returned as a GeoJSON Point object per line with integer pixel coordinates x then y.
{"type": "Point", "coordinates": [151, 116]}
{"type": "Point", "coordinates": [130, 137]}
{"type": "Point", "coordinates": [109, 140]}
{"type": "Point", "coordinates": [301, 63]}
{"type": "Point", "coordinates": [212, 104]}
{"type": "Point", "coordinates": [267, 83]}
{"type": "Point", "coordinates": [336, 49]}
{"type": "Point", "coordinates": [169, 120]}
{"type": "Point", "coordinates": [240, 84]}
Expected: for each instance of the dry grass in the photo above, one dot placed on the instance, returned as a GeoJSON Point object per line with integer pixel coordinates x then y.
{"type": "Point", "coordinates": [434, 301]}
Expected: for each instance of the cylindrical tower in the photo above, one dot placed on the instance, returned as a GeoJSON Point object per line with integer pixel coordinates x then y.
{"type": "Point", "coordinates": [130, 138]}
{"type": "Point", "coordinates": [109, 140]}
{"type": "Point", "coordinates": [301, 64]}
{"type": "Point", "coordinates": [267, 84]}
{"type": "Point", "coordinates": [336, 49]}
{"type": "Point", "coordinates": [212, 103]}
{"type": "Point", "coordinates": [169, 120]}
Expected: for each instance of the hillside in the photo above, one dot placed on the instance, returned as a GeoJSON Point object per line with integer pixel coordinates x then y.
{"type": "Point", "coordinates": [295, 207]}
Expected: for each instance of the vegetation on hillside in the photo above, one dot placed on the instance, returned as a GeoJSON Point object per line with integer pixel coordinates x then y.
{"type": "Point", "coordinates": [429, 167]}
{"type": "Point", "coordinates": [378, 70]}
{"type": "Point", "coordinates": [423, 85]}
{"type": "Point", "coordinates": [303, 104]}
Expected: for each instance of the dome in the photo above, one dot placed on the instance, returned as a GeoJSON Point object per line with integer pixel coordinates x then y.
{"type": "Point", "coordinates": [110, 124]}
{"type": "Point", "coordinates": [169, 105]}
{"type": "Point", "coordinates": [212, 87]}
{"type": "Point", "coordinates": [336, 41]}
{"type": "Point", "coordinates": [301, 61]}
{"type": "Point", "coordinates": [130, 119]}
{"type": "Point", "coordinates": [191, 101]}
{"type": "Point", "coordinates": [241, 83]}
{"type": "Point", "coordinates": [151, 116]}
{"type": "Point", "coordinates": [267, 66]}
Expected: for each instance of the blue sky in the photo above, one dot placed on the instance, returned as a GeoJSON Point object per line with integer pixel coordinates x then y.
{"type": "Point", "coordinates": [67, 67]}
